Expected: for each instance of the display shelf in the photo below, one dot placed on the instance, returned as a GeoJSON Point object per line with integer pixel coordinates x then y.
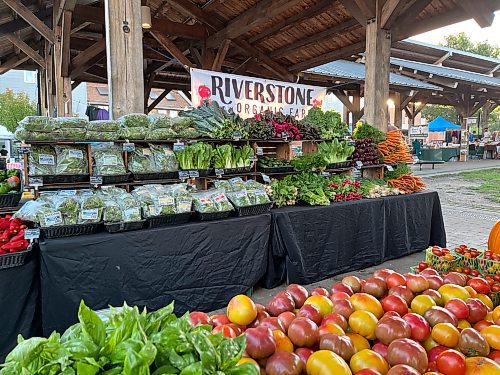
{"type": "Point", "coordinates": [9, 210]}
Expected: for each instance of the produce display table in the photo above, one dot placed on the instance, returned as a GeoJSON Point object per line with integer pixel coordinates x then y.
{"type": "Point", "coordinates": [312, 243]}
{"type": "Point", "coordinates": [199, 265]}
{"type": "Point", "coordinates": [439, 154]}
{"type": "Point", "coordinates": [19, 312]}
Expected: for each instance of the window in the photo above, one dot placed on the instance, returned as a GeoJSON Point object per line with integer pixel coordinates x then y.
{"type": "Point", "coordinates": [29, 76]}
{"type": "Point", "coordinates": [153, 95]}
{"type": "Point", "coordinates": [103, 91]}
{"type": "Point", "coordinates": [170, 97]}
{"type": "Point", "coordinates": [162, 111]}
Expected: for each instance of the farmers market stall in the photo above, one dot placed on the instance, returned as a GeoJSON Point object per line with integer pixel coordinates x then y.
{"type": "Point", "coordinates": [310, 244]}
{"type": "Point", "coordinates": [199, 265]}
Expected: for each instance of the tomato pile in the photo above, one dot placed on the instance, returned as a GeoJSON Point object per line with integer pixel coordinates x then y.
{"type": "Point", "coordinates": [389, 323]}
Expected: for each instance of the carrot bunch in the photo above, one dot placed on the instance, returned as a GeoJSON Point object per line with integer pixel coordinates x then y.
{"type": "Point", "coordinates": [407, 183]}
{"type": "Point", "coordinates": [394, 149]}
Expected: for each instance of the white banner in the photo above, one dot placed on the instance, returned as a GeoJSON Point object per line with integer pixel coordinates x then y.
{"type": "Point", "coordinates": [248, 96]}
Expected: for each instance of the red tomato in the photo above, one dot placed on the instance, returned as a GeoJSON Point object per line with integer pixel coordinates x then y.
{"type": "Point", "coordinates": [226, 331]}
{"type": "Point", "coordinates": [380, 349]}
{"type": "Point", "coordinates": [395, 279]}
{"type": "Point", "coordinates": [451, 362]}
{"type": "Point", "coordinates": [495, 355]}
{"type": "Point", "coordinates": [481, 324]}
{"type": "Point", "coordinates": [434, 353]}
{"type": "Point", "coordinates": [395, 303]}
{"type": "Point", "coordinates": [368, 371]}
{"type": "Point", "coordinates": [477, 310]}
{"type": "Point", "coordinates": [458, 308]}
{"type": "Point", "coordinates": [479, 284]}
{"type": "Point", "coordinates": [420, 328]}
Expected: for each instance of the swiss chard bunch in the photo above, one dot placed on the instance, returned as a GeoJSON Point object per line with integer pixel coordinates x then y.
{"type": "Point", "coordinates": [130, 342]}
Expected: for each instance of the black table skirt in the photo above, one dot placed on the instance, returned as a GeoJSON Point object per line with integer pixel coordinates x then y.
{"type": "Point", "coordinates": [200, 266]}
{"type": "Point", "coordinates": [310, 244]}
{"type": "Point", "coordinates": [19, 308]}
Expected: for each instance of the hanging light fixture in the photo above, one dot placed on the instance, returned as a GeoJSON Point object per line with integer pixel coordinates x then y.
{"type": "Point", "coordinates": [146, 17]}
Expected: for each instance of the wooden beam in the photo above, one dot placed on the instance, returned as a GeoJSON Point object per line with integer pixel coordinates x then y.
{"type": "Point", "coordinates": [243, 66]}
{"type": "Point", "coordinates": [317, 37]}
{"type": "Point", "coordinates": [15, 40]}
{"type": "Point", "coordinates": [190, 9]}
{"type": "Point", "coordinates": [158, 100]}
{"type": "Point", "coordinates": [64, 5]}
{"type": "Point", "coordinates": [493, 70]}
{"type": "Point", "coordinates": [354, 11]}
{"type": "Point", "coordinates": [253, 17]}
{"type": "Point", "coordinates": [196, 55]}
{"type": "Point", "coordinates": [19, 23]}
{"type": "Point", "coordinates": [446, 56]}
{"type": "Point", "coordinates": [147, 89]}
{"type": "Point", "coordinates": [407, 20]}
{"type": "Point", "coordinates": [327, 57]}
{"type": "Point", "coordinates": [172, 49]}
{"type": "Point", "coordinates": [341, 95]}
{"type": "Point", "coordinates": [65, 43]}
{"type": "Point", "coordinates": [81, 26]}
{"type": "Point", "coordinates": [290, 22]}
{"type": "Point", "coordinates": [75, 84]}
{"type": "Point", "coordinates": [221, 55]}
{"type": "Point", "coordinates": [419, 108]}
{"type": "Point", "coordinates": [13, 63]}
{"type": "Point", "coordinates": [32, 20]}
{"type": "Point", "coordinates": [407, 101]}
{"type": "Point", "coordinates": [482, 14]}
{"type": "Point", "coordinates": [392, 10]}
{"type": "Point", "coordinates": [165, 26]}
{"type": "Point", "coordinates": [87, 58]}
{"type": "Point", "coordinates": [86, 13]}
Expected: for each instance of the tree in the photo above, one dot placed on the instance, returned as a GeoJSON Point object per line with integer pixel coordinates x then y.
{"type": "Point", "coordinates": [462, 42]}
{"type": "Point", "coordinates": [431, 111]}
{"type": "Point", "coordinates": [494, 120]}
{"type": "Point", "coordinates": [14, 107]}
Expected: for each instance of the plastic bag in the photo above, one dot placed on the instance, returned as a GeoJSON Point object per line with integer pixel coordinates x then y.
{"type": "Point", "coordinates": [69, 207]}
{"type": "Point", "coordinates": [103, 126]}
{"type": "Point", "coordinates": [161, 134]}
{"type": "Point", "coordinates": [70, 122]}
{"type": "Point", "coordinates": [71, 160]}
{"type": "Point", "coordinates": [37, 124]}
{"type": "Point", "coordinates": [42, 161]}
{"type": "Point", "coordinates": [141, 160]}
{"type": "Point", "coordinates": [131, 208]}
{"type": "Point", "coordinates": [101, 136]}
{"type": "Point", "coordinates": [239, 198]}
{"type": "Point", "coordinates": [91, 209]}
{"type": "Point", "coordinates": [164, 158]}
{"type": "Point", "coordinates": [135, 133]}
{"type": "Point", "coordinates": [134, 120]}
{"type": "Point", "coordinates": [22, 134]}
{"type": "Point", "coordinates": [203, 202]}
{"type": "Point", "coordinates": [258, 196]}
{"type": "Point", "coordinates": [108, 162]}
{"type": "Point", "coordinates": [73, 134]}
{"type": "Point", "coordinates": [160, 122]}
{"type": "Point", "coordinates": [30, 210]}
{"type": "Point", "coordinates": [221, 201]}
{"type": "Point", "coordinates": [112, 212]}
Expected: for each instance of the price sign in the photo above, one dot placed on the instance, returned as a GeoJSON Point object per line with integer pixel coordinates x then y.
{"type": "Point", "coordinates": [90, 214]}
{"type": "Point", "coordinates": [23, 148]}
{"type": "Point", "coordinates": [128, 147]}
{"type": "Point", "coordinates": [266, 178]}
{"type": "Point", "coordinates": [194, 174]}
{"type": "Point", "coordinates": [285, 135]}
{"type": "Point", "coordinates": [326, 174]}
{"type": "Point", "coordinates": [219, 172]}
{"type": "Point", "coordinates": [389, 168]}
{"type": "Point", "coordinates": [96, 180]}
{"type": "Point", "coordinates": [259, 151]}
{"type": "Point", "coordinates": [32, 234]}
{"type": "Point", "coordinates": [359, 164]}
{"type": "Point", "coordinates": [253, 158]}
{"type": "Point", "coordinates": [236, 135]}
{"type": "Point", "coordinates": [183, 175]}
{"type": "Point", "coordinates": [36, 182]}
{"type": "Point", "coordinates": [179, 146]}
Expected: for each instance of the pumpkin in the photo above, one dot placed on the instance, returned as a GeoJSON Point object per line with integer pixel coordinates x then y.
{"type": "Point", "coordinates": [494, 239]}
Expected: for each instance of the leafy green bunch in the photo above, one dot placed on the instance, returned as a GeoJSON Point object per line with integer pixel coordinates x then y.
{"type": "Point", "coordinates": [196, 156]}
{"type": "Point", "coordinates": [227, 156]}
{"type": "Point", "coordinates": [330, 123]}
{"type": "Point", "coordinates": [335, 151]}
{"type": "Point", "coordinates": [130, 342]}
{"type": "Point", "coordinates": [364, 130]}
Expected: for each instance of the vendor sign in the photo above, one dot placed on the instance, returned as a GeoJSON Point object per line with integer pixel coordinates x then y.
{"type": "Point", "coordinates": [419, 131]}
{"type": "Point", "coordinates": [248, 96]}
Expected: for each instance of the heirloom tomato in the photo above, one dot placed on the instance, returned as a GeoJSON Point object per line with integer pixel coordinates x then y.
{"type": "Point", "coordinates": [368, 359]}
{"type": "Point", "coordinates": [325, 362]}
{"type": "Point", "coordinates": [451, 362]}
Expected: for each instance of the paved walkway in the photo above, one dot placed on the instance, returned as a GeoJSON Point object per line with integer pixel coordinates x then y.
{"type": "Point", "coordinates": [455, 167]}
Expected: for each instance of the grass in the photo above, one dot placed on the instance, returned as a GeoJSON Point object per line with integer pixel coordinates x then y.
{"type": "Point", "coordinates": [490, 182]}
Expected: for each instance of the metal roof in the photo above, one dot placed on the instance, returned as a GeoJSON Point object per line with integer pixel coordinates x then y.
{"type": "Point", "coordinates": [356, 71]}
{"type": "Point", "coordinates": [456, 74]}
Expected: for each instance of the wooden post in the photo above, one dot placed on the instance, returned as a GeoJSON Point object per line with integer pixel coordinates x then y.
{"type": "Point", "coordinates": [49, 78]}
{"type": "Point", "coordinates": [398, 111]}
{"type": "Point", "coordinates": [346, 115]}
{"type": "Point", "coordinates": [63, 84]}
{"type": "Point", "coordinates": [42, 91]}
{"type": "Point", "coordinates": [124, 56]}
{"type": "Point", "coordinates": [378, 49]}
{"type": "Point", "coordinates": [356, 103]}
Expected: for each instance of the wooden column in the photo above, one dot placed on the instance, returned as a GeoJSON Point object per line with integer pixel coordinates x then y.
{"type": "Point", "coordinates": [398, 111]}
{"type": "Point", "coordinates": [346, 114]}
{"type": "Point", "coordinates": [49, 78]}
{"type": "Point", "coordinates": [63, 84]}
{"type": "Point", "coordinates": [124, 56]}
{"type": "Point", "coordinates": [378, 49]}
{"type": "Point", "coordinates": [358, 111]}
{"type": "Point", "coordinates": [42, 92]}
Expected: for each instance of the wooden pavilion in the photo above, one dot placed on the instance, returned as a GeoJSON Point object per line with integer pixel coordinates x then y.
{"type": "Point", "coordinates": [73, 41]}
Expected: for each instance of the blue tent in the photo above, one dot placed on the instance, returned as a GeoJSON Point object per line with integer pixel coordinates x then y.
{"type": "Point", "coordinates": [439, 124]}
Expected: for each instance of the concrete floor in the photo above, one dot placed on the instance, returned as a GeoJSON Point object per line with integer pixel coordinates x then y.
{"type": "Point", "coordinates": [470, 225]}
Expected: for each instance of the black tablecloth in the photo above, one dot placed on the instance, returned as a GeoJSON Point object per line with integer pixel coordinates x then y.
{"type": "Point", "coordinates": [312, 243]}
{"type": "Point", "coordinates": [19, 312]}
{"type": "Point", "coordinates": [199, 265]}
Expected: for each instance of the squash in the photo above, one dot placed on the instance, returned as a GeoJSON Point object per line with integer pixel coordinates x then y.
{"type": "Point", "coordinates": [494, 239]}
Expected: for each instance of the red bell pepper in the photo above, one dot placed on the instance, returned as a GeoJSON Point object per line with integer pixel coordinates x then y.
{"type": "Point", "coordinates": [18, 236]}
{"type": "Point", "coordinates": [15, 225]}
{"type": "Point", "coordinates": [6, 235]}
{"type": "Point", "coordinates": [4, 223]}
{"type": "Point", "coordinates": [15, 246]}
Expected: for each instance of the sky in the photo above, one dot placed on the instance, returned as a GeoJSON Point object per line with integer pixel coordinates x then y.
{"type": "Point", "coordinates": [471, 28]}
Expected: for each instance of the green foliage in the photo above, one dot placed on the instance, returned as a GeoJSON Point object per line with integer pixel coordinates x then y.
{"type": "Point", "coordinates": [432, 111]}
{"type": "Point", "coordinates": [14, 107]}
{"type": "Point", "coordinates": [462, 42]}
{"type": "Point", "coordinates": [494, 120]}
{"type": "Point", "coordinates": [364, 130]}
{"type": "Point", "coordinates": [330, 123]}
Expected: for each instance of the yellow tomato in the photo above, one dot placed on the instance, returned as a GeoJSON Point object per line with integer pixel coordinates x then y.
{"type": "Point", "coordinates": [492, 336]}
{"type": "Point", "coordinates": [496, 313]}
{"type": "Point", "coordinates": [462, 324]}
{"type": "Point", "coordinates": [364, 323]}
{"type": "Point", "coordinates": [368, 359]}
{"type": "Point", "coordinates": [324, 305]}
{"type": "Point", "coordinates": [283, 343]}
{"type": "Point", "coordinates": [449, 291]}
{"type": "Point", "coordinates": [366, 302]}
{"type": "Point", "coordinates": [358, 341]}
{"type": "Point", "coordinates": [481, 366]}
{"type": "Point", "coordinates": [249, 360]}
{"type": "Point", "coordinates": [325, 362]}
{"type": "Point", "coordinates": [420, 304]}
{"type": "Point", "coordinates": [471, 290]}
{"type": "Point", "coordinates": [331, 328]}
{"type": "Point", "coordinates": [486, 300]}
{"type": "Point", "coordinates": [241, 310]}
{"type": "Point", "coordinates": [429, 343]}
{"type": "Point", "coordinates": [445, 334]}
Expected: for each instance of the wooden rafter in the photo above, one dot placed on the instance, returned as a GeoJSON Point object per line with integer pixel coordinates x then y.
{"type": "Point", "coordinates": [86, 13]}
{"type": "Point", "coordinates": [443, 58]}
{"type": "Point", "coordinates": [408, 99]}
{"type": "Point", "coordinates": [221, 55]}
{"type": "Point", "coordinates": [192, 10]}
{"type": "Point", "coordinates": [13, 63]}
{"type": "Point", "coordinates": [255, 16]}
{"type": "Point", "coordinates": [64, 5]}
{"type": "Point", "coordinates": [18, 42]}
{"type": "Point", "coordinates": [65, 42]}
{"type": "Point", "coordinates": [32, 20]}
{"type": "Point", "coordinates": [354, 11]}
{"type": "Point", "coordinates": [87, 58]}
{"type": "Point", "coordinates": [164, 25]}
{"type": "Point", "coordinates": [172, 49]}
{"type": "Point", "coordinates": [19, 23]}
{"type": "Point", "coordinates": [482, 14]}
{"type": "Point", "coordinates": [341, 95]}
{"type": "Point", "coordinates": [243, 66]}
{"type": "Point", "coordinates": [289, 22]}
{"type": "Point", "coordinates": [392, 10]}
{"type": "Point", "coordinates": [158, 100]}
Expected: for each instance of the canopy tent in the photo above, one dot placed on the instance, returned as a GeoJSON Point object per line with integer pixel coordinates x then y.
{"type": "Point", "coordinates": [439, 124]}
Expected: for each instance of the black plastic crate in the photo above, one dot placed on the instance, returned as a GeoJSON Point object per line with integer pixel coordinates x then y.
{"type": "Point", "coordinates": [207, 216]}
{"type": "Point", "coordinates": [65, 178]}
{"type": "Point", "coordinates": [285, 169]}
{"type": "Point", "coordinates": [155, 176]}
{"type": "Point", "coordinates": [70, 230]}
{"type": "Point", "coordinates": [10, 199]}
{"type": "Point", "coordinates": [14, 259]}
{"type": "Point", "coordinates": [116, 179]}
{"type": "Point", "coordinates": [165, 220]}
{"type": "Point", "coordinates": [257, 209]}
{"type": "Point", "coordinates": [124, 226]}
{"type": "Point", "coordinates": [343, 164]}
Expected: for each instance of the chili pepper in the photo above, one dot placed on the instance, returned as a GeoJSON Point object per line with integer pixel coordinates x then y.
{"type": "Point", "coordinates": [23, 227]}
{"type": "Point", "coordinates": [3, 251]}
{"type": "Point", "coordinates": [18, 236]}
{"type": "Point", "coordinates": [7, 217]}
{"type": "Point", "coordinates": [4, 223]}
{"type": "Point", "coordinates": [5, 237]}
{"type": "Point", "coordinates": [16, 246]}
{"type": "Point", "coordinates": [14, 225]}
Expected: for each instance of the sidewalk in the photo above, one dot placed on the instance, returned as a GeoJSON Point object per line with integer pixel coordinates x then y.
{"type": "Point", "coordinates": [455, 167]}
